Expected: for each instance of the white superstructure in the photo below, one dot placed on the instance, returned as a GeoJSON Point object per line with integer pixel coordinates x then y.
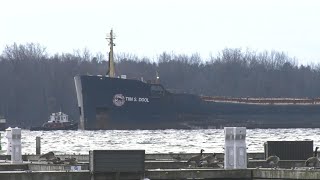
{"type": "Point", "coordinates": [58, 117]}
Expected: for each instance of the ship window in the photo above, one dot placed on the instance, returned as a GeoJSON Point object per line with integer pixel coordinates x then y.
{"type": "Point", "coordinates": [157, 91]}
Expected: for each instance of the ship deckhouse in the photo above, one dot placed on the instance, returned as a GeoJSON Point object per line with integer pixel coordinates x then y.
{"type": "Point", "coordinates": [58, 117]}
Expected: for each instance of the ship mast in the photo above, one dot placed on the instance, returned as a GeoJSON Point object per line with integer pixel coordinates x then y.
{"type": "Point", "coordinates": [111, 71]}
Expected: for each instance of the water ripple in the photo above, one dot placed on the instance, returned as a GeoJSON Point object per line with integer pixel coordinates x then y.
{"type": "Point", "coordinates": [154, 141]}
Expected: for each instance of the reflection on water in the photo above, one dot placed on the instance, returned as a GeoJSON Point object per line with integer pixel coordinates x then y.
{"type": "Point", "coordinates": [154, 141]}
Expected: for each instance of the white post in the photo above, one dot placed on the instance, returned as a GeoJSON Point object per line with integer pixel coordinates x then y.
{"type": "Point", "coordinates": [235, 156]}
{"type": "Point", "coordinates": [240, 148]}
{"type": "Point", "coordinates": [8, 135]}
{"type": "Point", "coordinates": [16, 155]}
{"type": "Point", "coordinates": [228, 148]}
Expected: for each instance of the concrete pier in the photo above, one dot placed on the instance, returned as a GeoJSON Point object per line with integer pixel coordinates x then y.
{"type": "Point", "coordinates": [285, 174]}
{"type": "Point", "coordinates": [158, 157]}
{"type": "Point", "coordinates": [44, 175]}
{"type": "Point", "coordinates": [286, 164]}
{"type": "Point", "coordinates": [198, 174]}
{"type": "Point", "coordinates": [247, 174]}
{"type": "Point", "coordinates": [157, 167]}
{"type": "Point", "coordinates": [148, 165]}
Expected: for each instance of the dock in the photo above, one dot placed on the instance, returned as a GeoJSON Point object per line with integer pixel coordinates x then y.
{"type": "Point", "coordinates": [248, 174]}
{"type": "Point", "coordinates": [157, 167]}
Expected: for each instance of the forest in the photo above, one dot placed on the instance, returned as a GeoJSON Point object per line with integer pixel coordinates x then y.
{"type": "Point", "coordinates": [34, 84]}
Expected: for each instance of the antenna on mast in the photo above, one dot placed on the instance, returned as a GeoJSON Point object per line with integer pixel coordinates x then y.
{"type": "Point", "coordinates": [111, 71]}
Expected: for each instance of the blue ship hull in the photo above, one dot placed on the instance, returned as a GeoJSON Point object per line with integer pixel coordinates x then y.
{"type": "Point", "coordinates": [114, 103]}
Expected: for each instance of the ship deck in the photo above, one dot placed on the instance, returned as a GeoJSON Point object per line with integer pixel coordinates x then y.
{"type": "Point", "coordinates": [280, 101]}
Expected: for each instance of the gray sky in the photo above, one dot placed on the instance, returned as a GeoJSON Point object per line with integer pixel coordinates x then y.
{"type": "Point", "coordinates": [150, 27]}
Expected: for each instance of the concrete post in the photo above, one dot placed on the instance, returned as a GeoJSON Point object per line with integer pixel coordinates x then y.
{"type": "Point", "coordinates": [16, 155]}
{"type": "Point", "coordinates": [8, 135]}
{"type": "Point", "coordinates": [240, 148]}
{"type": "Point", "coordinates": [235, 156]}
{"type": "Point", "coordinates": [228, 148]}
{"type": "Point", "coordinates": [38, 146]}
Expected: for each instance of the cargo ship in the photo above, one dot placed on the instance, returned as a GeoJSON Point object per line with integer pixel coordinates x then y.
{"type": "Point", "coordinates": [110, 102]}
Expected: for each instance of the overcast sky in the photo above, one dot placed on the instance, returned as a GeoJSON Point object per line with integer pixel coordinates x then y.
{"type": "Point", "coordinates": [150, 27]}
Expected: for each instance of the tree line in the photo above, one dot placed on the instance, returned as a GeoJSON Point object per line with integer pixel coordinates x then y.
{"type": "Point", "coordinates": [34, 84]}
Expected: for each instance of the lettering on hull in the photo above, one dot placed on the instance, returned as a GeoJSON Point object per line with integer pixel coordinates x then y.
{"type": "Point", "coordinates": [120, 99]}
